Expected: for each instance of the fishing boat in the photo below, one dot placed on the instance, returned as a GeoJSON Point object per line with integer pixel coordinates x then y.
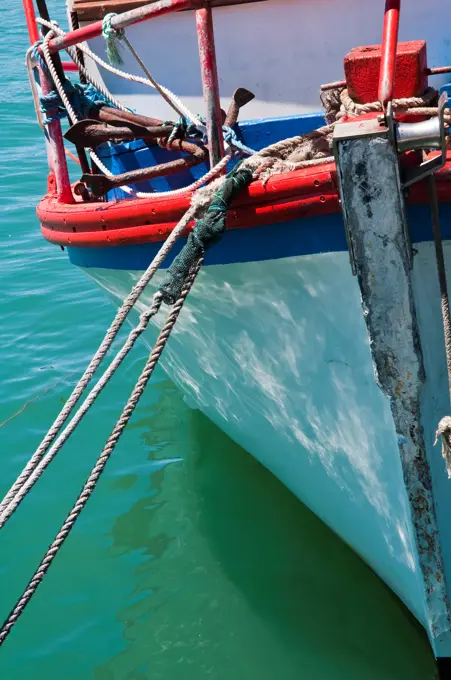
{"type": "Point", "coordinates": [317, 333]}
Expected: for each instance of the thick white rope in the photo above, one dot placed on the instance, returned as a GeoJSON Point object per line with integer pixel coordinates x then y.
{"type": "Point", "coordinates": [59, 86]}
{"type": "Point", "coordinates": [179, 107]}
{"type": "Point", "coordinates": [72, 52]}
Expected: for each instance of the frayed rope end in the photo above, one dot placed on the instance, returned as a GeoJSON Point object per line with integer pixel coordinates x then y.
{"type": "Point", "coordinates": [112, 38]}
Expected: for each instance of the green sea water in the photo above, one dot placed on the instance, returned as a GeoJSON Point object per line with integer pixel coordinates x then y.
{"type": "Point", "coordinates": [191, 561]}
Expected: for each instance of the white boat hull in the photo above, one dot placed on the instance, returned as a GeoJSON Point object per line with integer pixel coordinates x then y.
{"type": "Point", "coordinates": [276, 353]}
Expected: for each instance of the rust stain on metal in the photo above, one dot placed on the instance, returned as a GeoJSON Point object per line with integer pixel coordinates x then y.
{"type": "Point", "coordinates": [210, 83]}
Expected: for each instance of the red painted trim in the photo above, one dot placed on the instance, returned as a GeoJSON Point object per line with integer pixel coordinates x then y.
{"type": "Point", "coordinates": [389, 46]}
{"type": "Point", "coordinates": [304, 193]}
{"type": "Point", "coordinates": [245, 217]}
{"type": "Point", "coordinates": [284, 197]}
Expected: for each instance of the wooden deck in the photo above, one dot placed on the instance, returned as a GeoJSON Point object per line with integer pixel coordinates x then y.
{"type": "Point", "coordinates": [92, 10]}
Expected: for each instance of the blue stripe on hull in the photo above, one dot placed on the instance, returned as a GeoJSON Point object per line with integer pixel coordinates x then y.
{"type": "Point", "coordinates": [304, 236]}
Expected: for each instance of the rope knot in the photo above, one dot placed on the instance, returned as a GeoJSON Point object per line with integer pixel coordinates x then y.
{"type": "Point", "coordinates": [113, 37]}
{"type": "Point", "coordinates": [231, 139]}
{"type": "Point", "coordinates": [85, 99]}
{"type": "Point", "coordinates": [179, 131]}
{"type": "Point", "coordinates": [36, 55]}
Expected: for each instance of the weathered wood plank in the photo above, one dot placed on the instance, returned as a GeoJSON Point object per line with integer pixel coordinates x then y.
{"type": "Point", "coordinates": [93, 10]}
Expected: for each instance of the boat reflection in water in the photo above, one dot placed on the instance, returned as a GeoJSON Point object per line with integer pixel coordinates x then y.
{"type": "Point", "coordinates": [237, 579]}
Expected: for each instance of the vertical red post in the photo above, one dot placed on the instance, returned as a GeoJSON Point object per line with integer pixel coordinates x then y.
{"type": "Point", "coordinates": [30, 18]}
{"type": "Point", "coordinates": [389, 48]}
{"type": "Point", "coordinates": [210, 85]}
{"type": "Point", "coordinates": [57, 155]}
{"type": "Point", "coordinates": [55, 151]}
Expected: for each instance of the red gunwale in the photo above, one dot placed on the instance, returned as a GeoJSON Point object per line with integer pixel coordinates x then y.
{"type": "Point", "coordinates": [297, 194]}
{"type": "Point", "coordinates": [303, 193]}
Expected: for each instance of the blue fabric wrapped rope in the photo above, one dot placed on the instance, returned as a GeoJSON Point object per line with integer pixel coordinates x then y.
{"type": "Point", "coordinates": [85, 99]}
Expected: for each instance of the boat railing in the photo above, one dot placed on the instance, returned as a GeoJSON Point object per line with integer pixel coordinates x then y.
{"type": "Point", "coordinates": [207, 57]}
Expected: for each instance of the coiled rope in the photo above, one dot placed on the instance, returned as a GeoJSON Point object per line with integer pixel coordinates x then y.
{"type": "Point", "coordinates": [338, 104]}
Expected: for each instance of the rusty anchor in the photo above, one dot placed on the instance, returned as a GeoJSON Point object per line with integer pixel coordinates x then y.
{"type": "Point", "coordinates": [107, 114]}
{"type": "Point", "coordinates": [91, 133]}
{"type": "Point", "coordinates": [240, 98]}
{"type": "Point", "coordinates": [114, 125]}
{"type": "Point", "coordinates": [101, 184]}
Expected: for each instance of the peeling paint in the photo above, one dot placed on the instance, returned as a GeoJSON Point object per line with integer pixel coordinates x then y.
{"type": "Point", "coordinates": [374, 214]}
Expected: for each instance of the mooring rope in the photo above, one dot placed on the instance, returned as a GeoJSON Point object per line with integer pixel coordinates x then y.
{"type": "Point", "coordinates": [207, 232]}
{"type": "Point", "coordinates": [99, 467]}
{"type": "Point", "coordinates": [101, 352]}
{"type": "Point", "coordinates": [36, 473]}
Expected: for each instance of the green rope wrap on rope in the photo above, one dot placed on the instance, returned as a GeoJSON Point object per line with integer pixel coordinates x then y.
{"type": "Point", "coordinates": [206, 233]}
{"type": "Point", "coordinates": [112, 37]}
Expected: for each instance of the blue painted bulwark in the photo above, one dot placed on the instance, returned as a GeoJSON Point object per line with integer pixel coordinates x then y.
{"type": "Point", "coordinates": [257, 134]}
